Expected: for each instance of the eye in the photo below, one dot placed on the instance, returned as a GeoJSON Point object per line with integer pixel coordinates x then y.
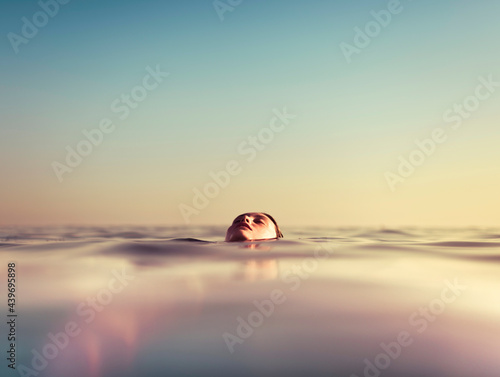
{"type": "Point", "coordinates": [259, 221]}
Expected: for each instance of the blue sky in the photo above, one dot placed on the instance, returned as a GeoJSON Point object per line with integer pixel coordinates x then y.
{"type": "Point", "coordinates": [226, 77]}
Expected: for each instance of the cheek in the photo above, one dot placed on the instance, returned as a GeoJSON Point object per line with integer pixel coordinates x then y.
{"type": "Point", "coordinates": [265, 229]}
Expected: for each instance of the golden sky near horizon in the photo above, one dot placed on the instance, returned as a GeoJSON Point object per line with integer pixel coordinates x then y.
{"type": "Point", "coordinates": [404, 132]}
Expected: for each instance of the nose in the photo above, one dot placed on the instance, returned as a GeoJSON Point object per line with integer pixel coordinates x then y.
{"type": "Point", "coordinates": [246, 219]}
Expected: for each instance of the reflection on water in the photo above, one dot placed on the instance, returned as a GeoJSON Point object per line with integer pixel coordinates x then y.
{"type": "Point", "coordinates": [258, 269]}
{"type": "Point", "coordinates": [148, 301]}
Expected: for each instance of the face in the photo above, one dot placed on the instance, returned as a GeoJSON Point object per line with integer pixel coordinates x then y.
{"type": "Point", "coordinates": [251, 226]}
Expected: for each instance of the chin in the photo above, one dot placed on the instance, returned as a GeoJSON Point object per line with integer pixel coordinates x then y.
{"type": "Point", "coordinates": [238, 235]}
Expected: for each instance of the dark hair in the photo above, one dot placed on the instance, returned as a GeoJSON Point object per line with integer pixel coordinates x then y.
{"type": "Point", "coordinates": [278, 231]}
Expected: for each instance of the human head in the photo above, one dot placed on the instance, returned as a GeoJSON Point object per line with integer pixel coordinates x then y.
{"type": "Point", "coordinates": [253, 226]}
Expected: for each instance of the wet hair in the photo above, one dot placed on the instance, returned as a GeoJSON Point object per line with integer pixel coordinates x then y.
{"type": "Point", "coordinates": [278, 230]}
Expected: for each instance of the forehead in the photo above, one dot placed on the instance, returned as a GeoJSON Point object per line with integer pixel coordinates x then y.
{"type": "Point", "coordinates": [256, 215]}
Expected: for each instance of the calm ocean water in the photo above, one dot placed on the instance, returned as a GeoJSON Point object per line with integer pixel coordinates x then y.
{"type": "Point", "coordinates": [176, 301]}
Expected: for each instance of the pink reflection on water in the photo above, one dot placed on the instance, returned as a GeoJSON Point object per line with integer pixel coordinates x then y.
{"type": "Point", "coordinates": [116, 335]}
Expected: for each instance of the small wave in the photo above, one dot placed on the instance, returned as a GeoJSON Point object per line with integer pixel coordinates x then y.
{"type": "Point", "coordinates": [463, 244]}
{"type": "Point", "coordinates": [7, 244]}
{"type": "Point", "coordinates": [490, 236]}
{"type": "Point", "coordinates": [314, 239]}
{"type": "Point", "coordinates": [191, 240]}
{"type": "Point", "coordinates": [383, 232]}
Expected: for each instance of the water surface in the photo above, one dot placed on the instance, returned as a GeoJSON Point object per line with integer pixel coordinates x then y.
{"type": "Point", "coordinates": [176, 301]}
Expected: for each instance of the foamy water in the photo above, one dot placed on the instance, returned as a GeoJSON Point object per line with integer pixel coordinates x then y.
{"type": "Point", "coordinates": [176, 301]}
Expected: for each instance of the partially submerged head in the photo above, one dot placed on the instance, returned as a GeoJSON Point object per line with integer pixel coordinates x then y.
{"type": "Point", "coordinates": [253, 226]}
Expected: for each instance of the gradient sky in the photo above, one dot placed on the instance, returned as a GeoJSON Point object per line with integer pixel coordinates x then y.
{"type": "Point", "coordinates": [353, 120]}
